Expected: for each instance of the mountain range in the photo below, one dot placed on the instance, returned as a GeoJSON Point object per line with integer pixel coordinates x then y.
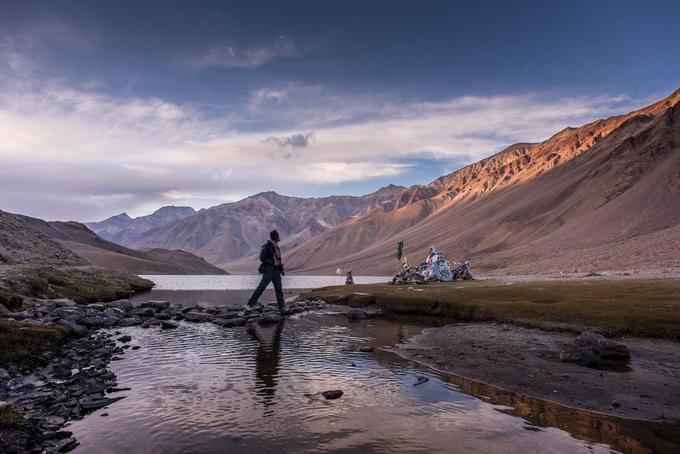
{"type": "Point", "coordinates": [603, 196]}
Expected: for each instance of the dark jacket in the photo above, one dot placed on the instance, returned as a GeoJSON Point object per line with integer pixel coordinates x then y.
{"type": "Point", "coordinates": [270, 256]}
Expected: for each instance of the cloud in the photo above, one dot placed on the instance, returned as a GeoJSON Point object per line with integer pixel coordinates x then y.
{"type": "Point", "coordinates": [232, 56]}
{"type": "Point", "coordinates": [294, 141]}
{"type": "Point", "coordinates": [341, 172]}
{"type": "Point", "coordinates": [84, 154]}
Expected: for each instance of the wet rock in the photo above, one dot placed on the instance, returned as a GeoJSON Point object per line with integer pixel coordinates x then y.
{"type": "Point", "coordinates": [332, 394]}
{"type": "Point", "coordinates": [420, 379]}
{"type": "Point", "coordinates": [194, 316]}
{"type": "Point", "coordinates": [163, 316]}
{"type": "Point", "coordinates": [590, 348]}
{"type": "Point", "coordinates": [69, 444]}
{"type": "Point", "coordinates": [168, 325]}
{"type": "Point", "coordinates": [270, 317]}
{"type": "Point", "coordinates": [125, 338]}
{"type": "Point", "coordinates": [356, 314]}
{"type": "Point", "coordinates": [96, 307]}
{"type": "Point", "coordinates": [365, 349]}
{"type": "Point", "coordinates": [4, 375]}
{"type": "Point", "coordinates": [136, 347]}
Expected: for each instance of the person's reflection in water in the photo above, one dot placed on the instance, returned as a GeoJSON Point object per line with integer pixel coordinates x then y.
{"type": "Point", "coordinates": [268, 340]}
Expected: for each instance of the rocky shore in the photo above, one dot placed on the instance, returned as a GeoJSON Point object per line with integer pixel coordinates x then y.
{"type": "Point", "coordinates": [38, 397]}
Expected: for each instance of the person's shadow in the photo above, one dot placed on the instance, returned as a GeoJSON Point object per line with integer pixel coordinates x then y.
{"type": "Point", "coordinates": [267, 358]}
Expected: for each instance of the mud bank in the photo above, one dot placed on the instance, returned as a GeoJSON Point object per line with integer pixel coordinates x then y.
{"type": "Point", "coordinates": [526, 361]}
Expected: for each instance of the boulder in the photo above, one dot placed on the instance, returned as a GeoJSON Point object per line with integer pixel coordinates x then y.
{"type": "Point", "coordinates": [130, 321]}
{"type": "Point", "coordinates": [589, 348]}
{"type": "Point", "coordinates": [144, 312]}
{"type": "Point", "coordinates": [96, 306]}
{"type": "Point", "coordinates": [125, 338]}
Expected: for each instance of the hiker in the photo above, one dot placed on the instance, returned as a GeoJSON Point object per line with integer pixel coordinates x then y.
{"type": "Point", "coordinates": [271, 269]}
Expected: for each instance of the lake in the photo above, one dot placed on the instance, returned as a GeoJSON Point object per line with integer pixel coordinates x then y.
{"type": "Point", "coordinates": [257, 389]}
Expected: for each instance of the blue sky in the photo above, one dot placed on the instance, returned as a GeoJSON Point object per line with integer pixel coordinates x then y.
{"type": "Point", "coordinates": [126, 106]}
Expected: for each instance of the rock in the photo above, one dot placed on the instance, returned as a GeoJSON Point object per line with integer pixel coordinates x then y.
{"type": "Point", "coordinates": [270, 317]}
{"type": "Point", "coordinates": [114, 312]}
{"type": "Point", "coordinates": [231, 322]}
{"type": "Point", "coordinates": [356, 314]}
{"type": "Point", "coordinates": [96, 307]}
{"type": "Point", "coordinates": [589, 348]}
{"type": "Point", "coordinates": [93, 322]}
{"type": "Point", "coordinates": [365, 349]}
{"type": "Point", "coordinates": [144, 312]}
{"type": "Point", "coordinates": [168, 325]}
{"type": "Point", "coordinates": [66, 445]}
{"type": "Point", "coordinates": [157, 305]}
{"type": "Point", "coordinates": [125, 338]}
{"type": "Point", "coordinates": [615, 404]}
{"type": "Point", "coordinates": [4, 375]}
{"type": "Point", "coordinates": [163, 316]}
{"type": "Point", "coordinates": [332, 394]}
{"type": "Point", "coordinates": [130, 321]}
{"type": "Point", "coordinates": [194, 316]}
{"type": "Point", "coordinates": [95, 404]}
{"type": "Point", "coordinates": [125, 305]}
{"type": "Point", "coordinates": [136, 347]}
{"type": "Point", "coordinates": [420, 379]}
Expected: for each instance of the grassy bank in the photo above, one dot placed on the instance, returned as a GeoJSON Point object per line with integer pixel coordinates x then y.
{"type": "Point", "coordinates": [81, 284]}
{"type": "Point", "coordinates": [22, 344]}
{"type": "Point", "coordinates": [649, 308]}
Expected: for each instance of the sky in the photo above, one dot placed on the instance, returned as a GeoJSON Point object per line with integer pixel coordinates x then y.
{"type": "Point", "coordinates": [126, 106]}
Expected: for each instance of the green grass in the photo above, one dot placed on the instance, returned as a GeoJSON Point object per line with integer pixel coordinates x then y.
{"type": "Point", "coordinates": [644, 308]}
{"type": "Point", "coordinates": [22, 344]}
{"type": "Point", "coordinates": [82, 284]}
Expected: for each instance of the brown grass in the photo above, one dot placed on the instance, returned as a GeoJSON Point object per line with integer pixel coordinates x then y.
{"type": "Point", "coordinates": [82, 284]}
{"type": "Point", "coordinates": [649, 308]}
{"type": "Point", "coordinates": [22, 344]}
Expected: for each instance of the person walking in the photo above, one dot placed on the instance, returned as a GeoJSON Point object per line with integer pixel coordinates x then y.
{"type": "Point", "coordinates": [271, 269]}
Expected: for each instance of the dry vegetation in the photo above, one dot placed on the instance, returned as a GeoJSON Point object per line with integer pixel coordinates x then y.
{"type": "Point", "coordinates": [649, 308]}
{"type": "Point", "coordinates": [82, 284]}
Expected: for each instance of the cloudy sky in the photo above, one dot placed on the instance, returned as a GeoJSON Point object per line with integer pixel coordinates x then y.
{"type": "Point", "coordinates": [115, 106]}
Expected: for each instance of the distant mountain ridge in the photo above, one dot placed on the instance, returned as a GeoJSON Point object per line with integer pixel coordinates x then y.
{"type": "Point", "coordinates": [123, 229]}
{"type": "Point", "coordinates": [231, 231]}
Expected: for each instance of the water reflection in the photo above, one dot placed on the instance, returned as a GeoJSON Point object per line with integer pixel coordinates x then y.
{"type": "Point", "coordinates": [201, 388]}
{"type": "Point", "coordinates": [267, 357]}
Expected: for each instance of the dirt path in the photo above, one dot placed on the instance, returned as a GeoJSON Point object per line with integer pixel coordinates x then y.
{"type": "Point", "coordinates": [526, 361]}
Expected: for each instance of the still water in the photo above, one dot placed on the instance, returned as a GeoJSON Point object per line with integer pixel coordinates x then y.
{"type": "Point", "coordinates": [256, 389]}
{"type": "Point", "coordinates": [244, 282]}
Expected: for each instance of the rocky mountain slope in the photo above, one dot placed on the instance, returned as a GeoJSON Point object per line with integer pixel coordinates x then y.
{"type": "Point", "coordinates": [123, 229]}
{"type": "Point", "coordinates": [20, 244]}
{"type": "Point", "coordinates": [231, 231]}
{"type": "Point", "coordinates": [602, 196]}
{"type": "Point", "coordinates": [30, 241]}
